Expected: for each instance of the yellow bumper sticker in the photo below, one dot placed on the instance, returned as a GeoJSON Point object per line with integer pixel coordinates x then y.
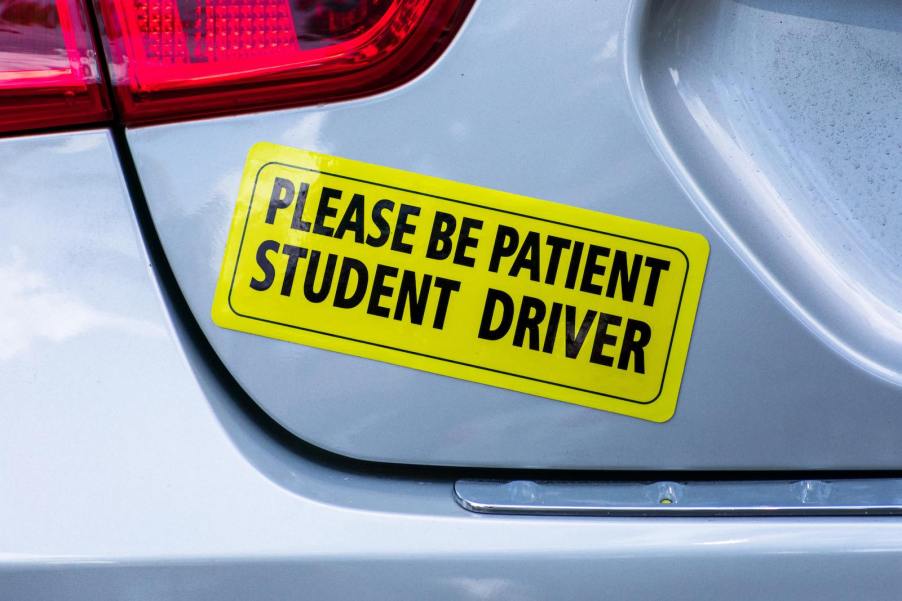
{"type": "Point", "coordinates": [515, 292]}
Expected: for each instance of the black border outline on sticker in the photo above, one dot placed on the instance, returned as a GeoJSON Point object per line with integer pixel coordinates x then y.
{"type": "Point", "coordinates": [471, 204]}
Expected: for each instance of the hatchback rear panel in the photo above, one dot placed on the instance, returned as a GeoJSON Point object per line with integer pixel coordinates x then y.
{"type": "Point", "coordinates": [552, 104]}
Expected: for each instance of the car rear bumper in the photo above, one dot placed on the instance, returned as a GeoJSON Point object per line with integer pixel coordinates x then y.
{"type": "Point", "coordinates": [131, 470]}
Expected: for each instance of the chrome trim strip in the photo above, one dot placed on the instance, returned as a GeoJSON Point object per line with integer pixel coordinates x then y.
{"type": "Point", "coordinates": [736, 498]}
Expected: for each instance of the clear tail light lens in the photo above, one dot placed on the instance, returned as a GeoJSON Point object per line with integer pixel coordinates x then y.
{"type": "Point", "coordinates": [49, 74]}
{"type": "Point", "coordinates": [172, 59]}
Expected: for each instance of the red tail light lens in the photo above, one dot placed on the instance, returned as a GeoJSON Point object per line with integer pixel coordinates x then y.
{"type": "Point", "coordinates": [49, 75]}
{"type": "Point", "coordinates": [177, 58]}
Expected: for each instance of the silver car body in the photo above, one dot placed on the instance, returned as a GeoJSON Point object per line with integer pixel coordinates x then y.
{"type": "Point", "coordinates": [146, 453]}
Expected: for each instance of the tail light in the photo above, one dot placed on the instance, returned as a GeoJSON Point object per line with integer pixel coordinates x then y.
{"type": "Point", "coordinates": [49, 71]}
{"type": "Point", "coordinates": [176, 59]}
